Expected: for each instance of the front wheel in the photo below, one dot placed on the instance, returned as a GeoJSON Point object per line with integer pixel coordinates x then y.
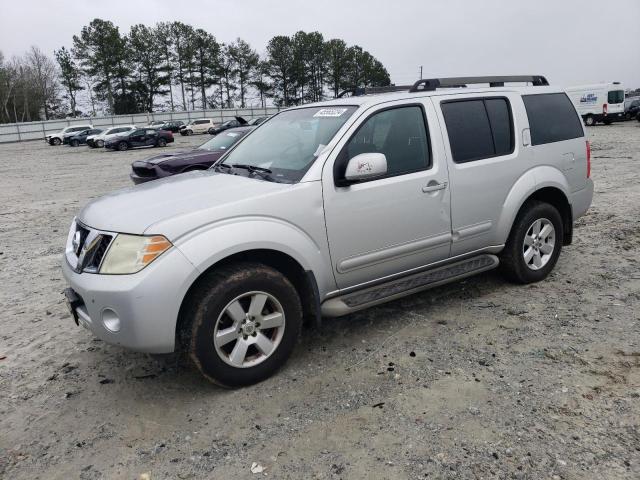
{"type": "Point", "coordinates": [162, 142]}
{"type": "Point", "coordinates": [534, 244]}
{"type": "Point", "coordinates": [122, 146]}
{"type": "Point", "coordinates": [100, 143]}
{"type": "Point", "coordinates": [55, 141]}
{"type": "Point", "coordinates": [242, 323]}
{"type": "Point", "coordinates": [75, 143]}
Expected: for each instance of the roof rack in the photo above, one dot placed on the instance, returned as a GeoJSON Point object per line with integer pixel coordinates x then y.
{"type": "Point", "coordinates": [430, 84]}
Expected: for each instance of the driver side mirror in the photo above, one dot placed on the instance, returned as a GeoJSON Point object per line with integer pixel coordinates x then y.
{"type": "Point", "coordinates": [366, 166]}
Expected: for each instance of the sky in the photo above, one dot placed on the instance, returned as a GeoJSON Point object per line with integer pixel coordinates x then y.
{"type": "Point", "coordinates": [571, 42]}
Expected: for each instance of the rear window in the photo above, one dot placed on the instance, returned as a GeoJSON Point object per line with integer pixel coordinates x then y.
{"type": "Point", "coordinates": [615, 96]}
{"type": "Point", "coordinates": [479, 128]}
{"type": "Point", "coordinates": [552, 118]}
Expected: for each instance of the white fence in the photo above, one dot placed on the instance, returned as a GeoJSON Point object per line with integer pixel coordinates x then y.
{"type": "Point", "coordinates": [18, 132]}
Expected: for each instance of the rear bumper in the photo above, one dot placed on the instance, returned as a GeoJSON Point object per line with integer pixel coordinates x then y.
{"type": "Point", "coordinates": [138, 311]}
{"type": "Point", "coordinates": [581, 200]}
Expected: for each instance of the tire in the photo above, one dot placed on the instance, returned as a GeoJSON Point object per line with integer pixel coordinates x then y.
{"type": "Point", "coordinates": [55, 141]}
{"type": "Point", "coordinates": [533, 261]}
{"type": "Point", "coordinates": [100, 143]}
{"type": "Point", "coordinates": [590, 121]}
{"type": "Point", "coordinates": [74, 143]}
{"type": "Point", "coordinates": [122, 146]}
{"type": "Point", "coordinates": [234, 289]}
{"type": "Point", "coordinates": [162, 142]}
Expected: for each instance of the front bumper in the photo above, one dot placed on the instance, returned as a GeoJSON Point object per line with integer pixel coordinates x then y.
{"type": "Point", "coordinates": [137, 311]}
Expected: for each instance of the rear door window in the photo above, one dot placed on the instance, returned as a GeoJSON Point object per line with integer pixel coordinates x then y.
{"type": "Point", "coordinates": [479, 128]}
{"type": "Point", "coordinates": [615, 96]}
{"type": "Point", "coordinates": [552, 118]}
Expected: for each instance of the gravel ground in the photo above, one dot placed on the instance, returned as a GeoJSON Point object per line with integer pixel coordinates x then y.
{"type": "Point", "coordinates": [478, 379]}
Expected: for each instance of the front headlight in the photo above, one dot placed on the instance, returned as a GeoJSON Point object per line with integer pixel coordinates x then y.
{"type": "Point", "coordinates": [131, 253]}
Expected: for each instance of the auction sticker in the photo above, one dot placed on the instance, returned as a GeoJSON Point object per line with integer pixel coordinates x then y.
{"type": "Point", "coordinates": [330, 112]}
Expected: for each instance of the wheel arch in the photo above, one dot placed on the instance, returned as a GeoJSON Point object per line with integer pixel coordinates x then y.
{"type": "Point", "coordinates": [304, 281]}
{"type": "Point", "coordinates": [553, 190]}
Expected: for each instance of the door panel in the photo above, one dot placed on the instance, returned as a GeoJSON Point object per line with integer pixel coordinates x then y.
{"type": "Point", "coordinates": [390, 225]}
{"type": "Point", "coordinates": [479, 187]}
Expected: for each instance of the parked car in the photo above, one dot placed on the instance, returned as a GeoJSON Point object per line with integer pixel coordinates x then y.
{"type": "Point", "coordinates": [197, 126]}
{"type": "Point", "coordinates": [97, 141]}
{"type": "Point", "coordinates": [235, 123]}
{"type": "Point", "coordinates": [631, 107]}
{"type": "Point", "coordinates": [328, 209]}
{"type": "Point", "coordinates": [173, 126]}
{"type": "Point", "coordinates": [256, 121]}
{"type": "Point", "coordinates": [141, 137]}
{"type": "Point", "coordinates": [155, 124]}
{"type": "Point", "coordinates": [58, 137]}
{"type": "Point", "coordinates": [199, 158]}
{"type": "Point", "coordinates": [80, 138]}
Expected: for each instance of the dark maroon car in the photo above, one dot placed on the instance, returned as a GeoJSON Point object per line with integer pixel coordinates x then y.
{"type": "Point", "coordinates": [199, 158]}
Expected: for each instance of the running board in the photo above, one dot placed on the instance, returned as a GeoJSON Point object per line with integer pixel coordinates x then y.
{"type": "Point", "coordinates": [368, 297]}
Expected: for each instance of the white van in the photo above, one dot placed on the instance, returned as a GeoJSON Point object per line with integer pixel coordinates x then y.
{"type": "Point", "coordinates": [603, 102]}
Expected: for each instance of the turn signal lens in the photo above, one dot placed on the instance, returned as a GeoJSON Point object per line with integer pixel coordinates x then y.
{"type": "Point", "coordinates": [131, 253]}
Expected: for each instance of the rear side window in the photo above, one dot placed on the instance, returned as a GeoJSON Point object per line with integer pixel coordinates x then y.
{"type": "Point", "coordinates": [615, 96]}
{"type": "Point", "coordinates": [478, 128]}
{"type": "Point", "coordinates": [552, 118]}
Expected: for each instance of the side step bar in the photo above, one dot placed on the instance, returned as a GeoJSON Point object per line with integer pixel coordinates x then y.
{"type": "Point", "coordinates": [368, 297]}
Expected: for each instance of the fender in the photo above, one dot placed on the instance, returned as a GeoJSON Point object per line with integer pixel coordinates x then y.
{"type": "Point", "coordinates": [235, 235]}
{"type": "Point", "coordinates": [530, 181]}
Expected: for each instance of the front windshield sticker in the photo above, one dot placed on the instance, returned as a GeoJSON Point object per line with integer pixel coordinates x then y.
{"type": "Point", "coordinates": [330, 112]}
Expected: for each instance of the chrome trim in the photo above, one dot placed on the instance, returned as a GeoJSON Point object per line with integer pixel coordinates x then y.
{"type": "Point", "coordinates": [380, 280]}
{"type": "Point", "coordinates": [395, 251]}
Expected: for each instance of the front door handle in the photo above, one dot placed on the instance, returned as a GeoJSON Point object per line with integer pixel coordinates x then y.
{"type": "Point", "coordinates": [434, 187]}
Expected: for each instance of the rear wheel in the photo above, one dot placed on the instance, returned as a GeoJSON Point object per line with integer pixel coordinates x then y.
{"type": "Point", "coordinates": [589, 121]}
{"type": "Point", "coordinates": [122, 146]}
{"type": "Point", "coordinates": [242, 323]}
{"type": "Point", "coordinates": [534, 244]}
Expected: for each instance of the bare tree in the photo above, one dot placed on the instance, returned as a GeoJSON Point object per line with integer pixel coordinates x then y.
{"type": "Point", "coordinates": [45, 77]}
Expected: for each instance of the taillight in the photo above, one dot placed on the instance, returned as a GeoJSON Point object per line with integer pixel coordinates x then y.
{"type": "Point", "coordinates": [588, 159]}
{"type": "Point", "coordinates": [604, 108]}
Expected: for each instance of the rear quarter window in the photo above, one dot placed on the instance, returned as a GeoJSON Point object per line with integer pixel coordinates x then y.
{"type": "Point", "coordinates": [552, 118]}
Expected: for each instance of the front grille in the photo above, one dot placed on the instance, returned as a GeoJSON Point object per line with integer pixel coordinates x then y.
{"type": "Point", "coordinates": [86, 248]}
{"type": "Point", "coordinates": [144, 171]}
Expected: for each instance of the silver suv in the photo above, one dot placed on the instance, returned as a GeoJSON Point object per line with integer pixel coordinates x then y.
{"type": "Point", "coordinates": [331, 208]}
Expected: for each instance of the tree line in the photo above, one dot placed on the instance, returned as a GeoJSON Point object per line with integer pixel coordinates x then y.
{"type": "Point", "coordinates": [174, 66]}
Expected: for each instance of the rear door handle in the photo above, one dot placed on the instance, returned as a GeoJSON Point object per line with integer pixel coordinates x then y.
{"type": "Point", "coordinates": [434, 188]}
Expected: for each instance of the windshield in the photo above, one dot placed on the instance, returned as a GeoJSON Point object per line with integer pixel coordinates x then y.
{"type": "Point", "coordinates": [289, 143]}
{"type": "Point", "coordinates": [222, 141]}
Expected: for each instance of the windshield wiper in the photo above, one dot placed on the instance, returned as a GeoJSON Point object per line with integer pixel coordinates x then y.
{"type": "Point", "coordinates": [251, 168]}
{"type": "Point", "coordinates": [218, 166]}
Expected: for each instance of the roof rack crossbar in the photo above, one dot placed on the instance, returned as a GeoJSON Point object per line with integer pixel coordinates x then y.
{"type": "Point", "coordinates": [494, 81]}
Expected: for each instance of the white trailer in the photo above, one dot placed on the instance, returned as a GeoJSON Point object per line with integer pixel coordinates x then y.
{"type": "Point", "coordinates": [603, 102]}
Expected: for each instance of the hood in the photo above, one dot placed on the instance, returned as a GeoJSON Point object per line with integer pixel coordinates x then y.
{"type": "Point", "coordinates": [135, 209]}
{"type": "Point", "coordinates": [183, 155]}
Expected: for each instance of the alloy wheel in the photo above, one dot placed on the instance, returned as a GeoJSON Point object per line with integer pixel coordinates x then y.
{"type": "Point", "coordinates": [249, 329]}
{"type": "Point", "coordinates": [539, 243]}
